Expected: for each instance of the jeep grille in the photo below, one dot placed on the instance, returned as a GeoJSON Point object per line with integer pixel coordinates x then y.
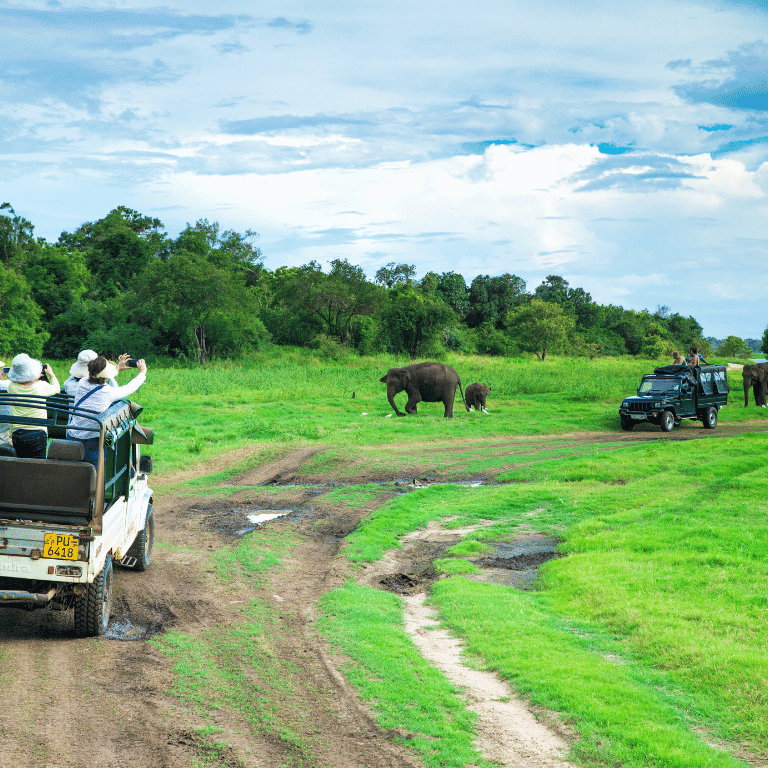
{"type": "Point", "coordinates": [639, 405]}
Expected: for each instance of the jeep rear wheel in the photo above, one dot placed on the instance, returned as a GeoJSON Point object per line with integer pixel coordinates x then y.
{"type": "Point", "coordinates": [710, 418]}
{"type": "Point", "coordinates": [667, 421]}
{"type": "Point", "coordinates": [92, 608]}
{"type": "Point", "coordinates": [627, 423]}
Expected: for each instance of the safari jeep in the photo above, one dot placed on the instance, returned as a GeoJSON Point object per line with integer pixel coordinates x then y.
{"type": "Point", "coordinates": [63, 522]}
{"type": "Point", "coordinates": [677, 392]}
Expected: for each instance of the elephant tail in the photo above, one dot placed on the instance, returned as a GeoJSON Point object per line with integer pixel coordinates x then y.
{"type": "Point", "coordinates": [463, 400]}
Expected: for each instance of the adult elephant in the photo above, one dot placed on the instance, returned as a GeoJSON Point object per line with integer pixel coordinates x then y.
{"type": "Point", "coordinates": [430, 382]}
{"type": "Point", "coordinates": [755, 376]}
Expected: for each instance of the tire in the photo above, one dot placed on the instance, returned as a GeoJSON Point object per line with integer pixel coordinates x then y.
{"type": "Point", "coordinates": [142, 547]}
{"type": "Point", "coordinates": [627, 424]}
{"type": "Point", "coordinates": [710, 418]}
{"type": "Point", "coordinates": [92, 609]}
{"type": "Point", "coordinates": [667, 421]}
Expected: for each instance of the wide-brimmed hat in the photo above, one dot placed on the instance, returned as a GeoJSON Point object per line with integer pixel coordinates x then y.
{"type": "Point", "coordinates": [80, 368]}
{"type": "Point", "coordinates": [109, 371]}
{"type": "Point", "coordinates": [25, 368]}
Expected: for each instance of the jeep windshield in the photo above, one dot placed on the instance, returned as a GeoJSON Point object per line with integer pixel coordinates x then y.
{"type": "Point", "coordinates": [647, 386]}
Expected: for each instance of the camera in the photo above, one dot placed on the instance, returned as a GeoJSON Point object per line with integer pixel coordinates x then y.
{"type": "Point", "coordinates": [132, 363]}
{"type": "Point", "coordinates": [7, 370]}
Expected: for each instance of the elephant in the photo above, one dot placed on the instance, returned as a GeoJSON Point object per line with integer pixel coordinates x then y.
{"type": "Point", "coordinates": [430, 382]}
{"type": "Point", "coordinates": [756, 376]}
{"type": "Point", "coordinates": [475, 396]}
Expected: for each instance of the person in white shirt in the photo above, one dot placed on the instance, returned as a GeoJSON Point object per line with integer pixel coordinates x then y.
{"type": "Point", "coordinates": [94, 394]}
{"type": "Point", "coordinates": [79, 370]}
{"type": "Point", "coordinates": [27, 378]}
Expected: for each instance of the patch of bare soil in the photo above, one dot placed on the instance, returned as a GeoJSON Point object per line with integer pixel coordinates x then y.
{"type": "Point", "coordinates": [510, 732]}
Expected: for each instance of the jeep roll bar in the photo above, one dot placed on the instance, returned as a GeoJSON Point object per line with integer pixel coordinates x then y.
{"type": "Point", "coordinates": [109, 425]}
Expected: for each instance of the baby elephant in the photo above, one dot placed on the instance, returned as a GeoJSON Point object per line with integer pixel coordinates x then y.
{"type": "Point", "coordinates": [475, 397]}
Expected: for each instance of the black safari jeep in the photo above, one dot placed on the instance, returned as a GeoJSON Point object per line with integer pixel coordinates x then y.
{"type": "Point", "coordinates": [677, 392]}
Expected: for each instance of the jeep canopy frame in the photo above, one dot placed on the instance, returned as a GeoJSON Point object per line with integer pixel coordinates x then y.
{"type": "Point", "coordinates": [109, 426]}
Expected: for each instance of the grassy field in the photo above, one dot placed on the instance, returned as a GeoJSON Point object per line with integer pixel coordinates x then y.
{"type": "Point", "coordinates": [648, 636]}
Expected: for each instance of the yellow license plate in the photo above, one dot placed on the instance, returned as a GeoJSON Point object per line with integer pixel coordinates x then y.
{"type": "Point", "coordinates": [59, 546]}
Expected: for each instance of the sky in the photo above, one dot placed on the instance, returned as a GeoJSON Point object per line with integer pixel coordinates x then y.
{"type": "Point", "coordinates": [621, 145]}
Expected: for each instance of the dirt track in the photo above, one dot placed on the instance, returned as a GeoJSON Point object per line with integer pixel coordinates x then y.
{"type": "Point", "coordinates": [86, 702]}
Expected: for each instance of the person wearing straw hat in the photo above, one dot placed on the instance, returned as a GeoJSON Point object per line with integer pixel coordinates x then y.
{"type": "Point", "coordinates": [25, 375]}
{"type": "Point", "coordinates": [79, 370]}
{"type": "Point", "coordinates": [94, 394]}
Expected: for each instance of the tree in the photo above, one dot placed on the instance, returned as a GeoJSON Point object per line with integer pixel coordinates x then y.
{"type": "Point", "coordinates": [452, 289]}
{"type": "Point", "coordinates": [764, 346]}
{"type": "Point", "coordinates": [491, 298]}
{"type": "Point", "coordinates": [117, 248]}
{"type": "Point", "coordinates": [733, 346]}
{"type": "Point", "coordinates": [540, 326]}
{"type": "Point", "coordinates": [393, 274]}
{"type": "Point", "coordinates": [20, 318]}
{"type": "Point", "coordinates": [685, 330]}
{"type": "Point", "coordinates": [554, 289]}
{"type": "Point", "coordinates": [16, 235]}
{"type": "Point", "coordinates": [58, 278]}
{"type": "Point", "coordinates": [415, 320]}
{"type": "Point", "coordinates": [341, 295]}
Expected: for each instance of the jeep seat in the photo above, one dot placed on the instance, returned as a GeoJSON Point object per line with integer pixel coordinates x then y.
{"type": "Point", "coordinates": [48, 491]}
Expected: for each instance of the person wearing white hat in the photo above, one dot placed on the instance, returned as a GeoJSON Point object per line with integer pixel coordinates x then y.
{"type": "Point", "coordinates": [79, 369]}
{"type": "Point", "coordinates": [94, 394]}
{"type": "Point", "coordinates": [25, 375]}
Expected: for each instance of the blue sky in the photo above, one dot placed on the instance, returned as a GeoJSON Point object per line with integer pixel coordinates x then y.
{"type": "Point", "coordinates": [622, 145]}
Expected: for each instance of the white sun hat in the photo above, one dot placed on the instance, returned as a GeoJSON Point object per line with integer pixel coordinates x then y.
{"type": "Point", "coordinates": [80, 368]}
{"type": "Point", "coordinates": [25, 368]}
{"type": "Point", "coordinates": [109, 371]}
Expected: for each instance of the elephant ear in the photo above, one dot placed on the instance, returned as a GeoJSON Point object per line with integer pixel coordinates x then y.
{"type": "Point", "coordinates": [405, 377]}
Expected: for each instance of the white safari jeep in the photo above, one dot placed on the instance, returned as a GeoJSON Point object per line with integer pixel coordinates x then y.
{"type": "Point", "coordinates": [63, 522]}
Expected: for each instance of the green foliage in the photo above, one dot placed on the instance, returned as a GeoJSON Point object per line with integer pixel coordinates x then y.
{"type": "Point", "coordinates": [733, 346]}
{"type": "Point", "coordinates": [414, 321]}
{"type": "Point", "coordinates": [540, 326]}
{"type": "Point", "coordinates": [764, 345]}
{"type": "Point", "coordinates": [492, 298]}
{"type": "Point", "coordinates": [113, 274]}
{"type": "Point", "coordinates": [21, 319]}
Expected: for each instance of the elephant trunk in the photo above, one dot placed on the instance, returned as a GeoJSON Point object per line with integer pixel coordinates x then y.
{"type": "Point", "coordinates": [746, 391]}
{"type": "Point", "coordinates": [392, 390]}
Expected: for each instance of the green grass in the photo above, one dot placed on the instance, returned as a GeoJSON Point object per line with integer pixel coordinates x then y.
{"type": "Point", "coordinates": [648, 636]}
{"type": "Point", "coordinates": [667, 549]}
{"type": "Point", "coordinates": [403, 690]}
{"type": "Point", "coordinates": [286, 397]}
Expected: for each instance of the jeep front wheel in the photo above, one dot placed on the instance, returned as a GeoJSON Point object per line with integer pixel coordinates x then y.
{"type": "Point", "coordinates": [667, 421]}
{"type": "Point", "coordinates": [710, 418]}
{"type": "Point", "coordinates": [627, 423]}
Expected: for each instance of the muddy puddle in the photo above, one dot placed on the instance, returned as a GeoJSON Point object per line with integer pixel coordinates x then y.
{"type": "Point", "coordinates": [127, 630]}
{"type": "Point", "coordinates": [516, 563]}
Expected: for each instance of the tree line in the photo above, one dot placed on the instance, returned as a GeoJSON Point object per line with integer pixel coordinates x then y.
{"type": "Point", "coordinates": [122, 284]}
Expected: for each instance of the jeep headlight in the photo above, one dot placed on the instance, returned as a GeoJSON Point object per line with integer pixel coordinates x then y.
{"type": "Point", "coordinates": [625, 404]}
{"type": "Point", "coordinates": [657, 405]}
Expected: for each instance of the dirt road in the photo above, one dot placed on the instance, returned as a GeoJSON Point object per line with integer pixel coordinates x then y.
{"type": "Point", "coordinates": [108, 702]}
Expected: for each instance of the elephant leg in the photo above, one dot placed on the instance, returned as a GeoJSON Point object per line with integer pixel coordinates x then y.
{"type": "Point", "coordinates": [448, 402]}
{"type": "Point", "coordinates": [414, 398]}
